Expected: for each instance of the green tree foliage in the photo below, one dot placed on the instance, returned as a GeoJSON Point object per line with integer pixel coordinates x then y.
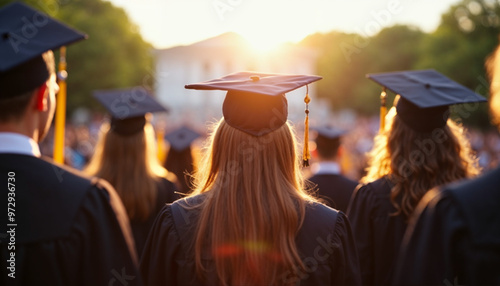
{"type": "Point", "coordinates": [467, 34]}
{"type": "Point", "coordinates": [345, 59]}
{"type": "Point", "coordinates": [113, 56]}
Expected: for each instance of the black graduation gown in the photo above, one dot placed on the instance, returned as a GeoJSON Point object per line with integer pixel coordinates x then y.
{"type": "Point", "coordinates": [378, 235]}
{"type": "Point", "coordinates": [335, 189]}
{"type": "Point", "coordinates": [454, 236]}
{"type": "Point", "coordinates": [69, 230]}
{"type": "Point", "coordinates": [325, 243]}
{"type": "Point", "coordinates": [140, 229]}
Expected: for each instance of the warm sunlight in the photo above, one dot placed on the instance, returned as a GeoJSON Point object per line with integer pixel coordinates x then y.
{"type": "Point", "coordinates": [263, 43]}
{"type": "Point", "coordinates": [268, 23]}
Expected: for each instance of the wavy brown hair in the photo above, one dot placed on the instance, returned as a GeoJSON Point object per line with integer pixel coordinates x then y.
{"type": "Point", "coordinates": [416, 162]}
{"type": "Point", "coordinates": [254, 206]}
{"type": "Point", "coordinates": [130, 164]}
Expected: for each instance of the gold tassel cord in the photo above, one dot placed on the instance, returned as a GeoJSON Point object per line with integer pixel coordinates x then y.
{"type": "Point", "coordinates": [383, 109]}
{"type": "Point", "coordinates": [160, 146]}
{"type": "Point", "coordinates": [306, 155]}
{"type": "Point", "coordinates": [60, 119]}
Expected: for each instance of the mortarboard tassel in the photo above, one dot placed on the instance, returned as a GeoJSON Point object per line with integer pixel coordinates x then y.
{"type": "Point", "coordinates": [160, 145]}
{"type": "Point", "coordinates": [383, 109]}
{"type": "Point", "coordinates": [306, 156]}
{"type": "Point", "coordinates": [60, 120]}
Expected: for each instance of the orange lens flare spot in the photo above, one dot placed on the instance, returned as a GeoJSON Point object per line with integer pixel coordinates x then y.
{"type": "Point", "coordinates": [227, 250]}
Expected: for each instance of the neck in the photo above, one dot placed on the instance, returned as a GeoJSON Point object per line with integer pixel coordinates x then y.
{"type": "Point", "coordinates": [23, 127]}
{"type": "Point", "coordinates": [326, 167]}
{"type": "Point", "coordinates": [326, 160]}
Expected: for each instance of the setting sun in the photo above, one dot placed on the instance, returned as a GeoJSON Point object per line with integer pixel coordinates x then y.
{"type": "Point", "coordinates": [263, 42]}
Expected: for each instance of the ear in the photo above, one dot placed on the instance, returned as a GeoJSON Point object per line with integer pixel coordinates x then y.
{"type": "Point", "coordinates": [340, 151]}
{"type": "Point", "coordinates": [41, 98]}
{"type": "Point", "coordinates": [314, 153]}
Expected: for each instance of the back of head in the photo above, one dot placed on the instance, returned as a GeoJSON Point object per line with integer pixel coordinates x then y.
{"type": "Point", "coordinates": [418, 161]}
{"type": "Point", "coordinates": [27, 66]}
{"type": "Point", "coordinates": [130, 164]}
{"type": "Point", "coordinates": [13, 106]}
{"type": "Point", "coordinates": [255, 204]}
{"type": "Point", "coordinates": [181, 163]}
{"type": "Point", "coordinates": [327, 147]}
{"type": "Point", "coordinates": [179, 158]}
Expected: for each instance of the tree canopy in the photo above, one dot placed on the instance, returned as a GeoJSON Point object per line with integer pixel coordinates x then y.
{"type": "Point", "coordinates": [113, 56]}
{"type": "Point", "coordinates": [458, 48]}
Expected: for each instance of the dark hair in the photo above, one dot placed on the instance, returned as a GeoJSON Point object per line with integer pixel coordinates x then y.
{"type": "Point", "coordinates": [181, 164]}
{"type": "Point", "coordinates": [13, 108]}
{"type": "Point", "coordinates": [327, 147]}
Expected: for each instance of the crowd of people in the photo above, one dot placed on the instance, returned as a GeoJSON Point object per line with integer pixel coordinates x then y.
{"type": "Point", "coordinates": [81, 139]}
{"type": "Point", "coordinates": [413, 201]}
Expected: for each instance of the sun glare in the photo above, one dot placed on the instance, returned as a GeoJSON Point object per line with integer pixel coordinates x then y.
{"type": "Point", "coordinates": [264, 43]}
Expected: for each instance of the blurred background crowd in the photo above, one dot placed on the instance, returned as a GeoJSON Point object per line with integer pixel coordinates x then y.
{"type": "Point", "coordinates": [81, 139]}
{"type": "Point", "coordinates": [388, 36]}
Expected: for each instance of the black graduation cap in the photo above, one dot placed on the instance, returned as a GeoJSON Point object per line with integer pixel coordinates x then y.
{"type": "Point", "coordinates": [25, 34]}
{"type": "Point", "coordinates": [128, 108]}
{"type": "Point", "coordinates": [181, 138]}
{"type": "Point", "coordinates": [255, 102]}
{"type": "Point", "coordinates": [329, 132]}
{"type": "Point", "coordinates": [425, 96]}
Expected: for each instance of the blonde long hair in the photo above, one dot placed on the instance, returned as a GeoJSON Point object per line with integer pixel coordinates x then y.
{"type": "Point", "coordinates": [416, 162]}
{"type": "Point", "coordinates": [130, 164]}
{"type": "Point", "coordinates": [254, 206]}
{"type": "Point", "coordinates": [493, 70]}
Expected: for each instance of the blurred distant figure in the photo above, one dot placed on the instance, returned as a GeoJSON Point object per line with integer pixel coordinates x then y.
{"type": "Point", "coordinates": [180, 157]}
{"type": "Point", "coordinates": [249, 220]}
{"type": "Point", "coordinates": [125, 156]}
{"type": "Point", "coordinates": [454, 236]}
{"type": "Point", "coordinates": [419, 149]}
{"type": "Point", "coordinates": [334, 188]}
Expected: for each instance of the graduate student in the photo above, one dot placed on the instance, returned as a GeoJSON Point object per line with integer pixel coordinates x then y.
{"type": "Point", "coordinates": [249, 221]}
{"type": "Point", "coordinates": [125, 155]}
{"type": "Point", "coordinates": [333, 188]}
{"type": "Point", "coordinates": [58, 227]}
{"type": "Point", "coordinates": [454, 235]}
{"type": "Point", "coordinates": [180, 156]}
{"type": "Point", "coordinates": [419, 149]}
